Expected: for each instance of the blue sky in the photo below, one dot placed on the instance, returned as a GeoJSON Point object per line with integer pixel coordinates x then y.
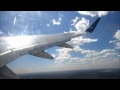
{"type": "Point", "coordinates": [101, 49]}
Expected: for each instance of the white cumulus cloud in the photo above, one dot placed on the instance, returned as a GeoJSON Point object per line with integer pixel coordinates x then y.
{"type": "Point", "coordinates": [117, 41]}
{"type": "Point", "coordinates": [94, 13]}
{"type": "Point", "coordinates": [117, 35]}
{"type": "Point", "coordinates": [57, 22]}
{"type": "Point", "coordinates": [106, 58]}
{"type": "Point", "coordinates": [64, 53]}
{"type": "Point", "coordinates": [92, 58]}
{"type": "Point", "coordinates": [74, 21]}
{"type": "Point", "coordinates": [80, 41]}
{"type": "Point", "coordinates": [117, 45]}
{"type": "Point", "coordinates": [82, 24]}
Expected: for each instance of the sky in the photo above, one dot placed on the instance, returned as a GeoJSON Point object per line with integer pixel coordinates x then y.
{"type": "Point", "coordinates": [98, 50]}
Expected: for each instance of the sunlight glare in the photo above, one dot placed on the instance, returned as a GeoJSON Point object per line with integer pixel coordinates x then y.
{"type": "Point", "coordinates": [18, 41]}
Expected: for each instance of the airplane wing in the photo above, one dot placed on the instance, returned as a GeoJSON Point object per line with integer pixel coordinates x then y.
{"type": "Point", "coordinates": [14, 47]}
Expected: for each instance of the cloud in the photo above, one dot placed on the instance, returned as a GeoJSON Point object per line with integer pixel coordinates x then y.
{"type": "Point", "coordinates": [80, 41]}
{"type": "Point", "coordinates": [82, 25]}
{"type": "Point", "coordinates": [74, 21]}
{"type": "Point", "coordinates": [86, 65]}
{"type": "Point", "coordinates": [54, 55]}
{"type": "Point", "coordinates": [48, 25]}
{"type": "Point", "coordinates": [99, 53]}
{"type": "Point", "coordinates": [92, 58]}
{"type": "Point", "coordinates": [57, 22]}
{"type": "Point", "coordinates": [94, 13]}
{"type": "Point", "coordinates": [117, 35]}
{"type": "Point", "coordinates": [64, 53]}
{"type": "Point", "coordinates": [106, 58]}
{"type": "Point", "coordinates": [117, 41]}
{"type": "Point", "coordinates": [117, 45]}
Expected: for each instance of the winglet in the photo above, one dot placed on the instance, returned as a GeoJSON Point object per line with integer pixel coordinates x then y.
{"type": "Point", "coordinates": [92, 27]}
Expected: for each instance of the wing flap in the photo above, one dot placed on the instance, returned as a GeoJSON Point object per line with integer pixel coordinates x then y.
{"type": "Point", "coordinates": [43, 54]}
{"type": "Point", "coordinates": [6, 73]}
{"type": "Point", "coordinates": [65, 45]}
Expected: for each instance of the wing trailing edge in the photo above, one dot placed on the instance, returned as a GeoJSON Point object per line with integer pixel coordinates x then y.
{"type": "Point", "coordinates": [43, 54]}
{"type": "Point", "coordinates": [65, 45]}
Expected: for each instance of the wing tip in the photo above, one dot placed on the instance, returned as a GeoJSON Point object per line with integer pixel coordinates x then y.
{"type": "Point", "coordinates": [93, 26]}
